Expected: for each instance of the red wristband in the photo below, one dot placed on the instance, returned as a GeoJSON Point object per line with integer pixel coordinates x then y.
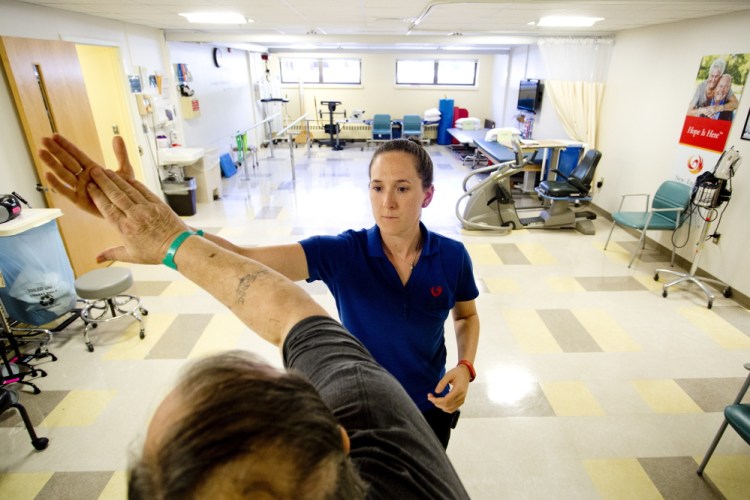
{"type": "Point", "coordinates": [470, 367]}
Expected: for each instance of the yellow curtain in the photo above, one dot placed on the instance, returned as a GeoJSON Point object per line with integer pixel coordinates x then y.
{"type": "Point", "coordinates": [576, 69]}
{"type": "Point", "coordinates": [577, 107]}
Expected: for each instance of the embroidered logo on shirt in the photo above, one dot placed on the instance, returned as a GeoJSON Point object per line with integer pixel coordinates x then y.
{"type": "Point", "coordinates": [436, 291]}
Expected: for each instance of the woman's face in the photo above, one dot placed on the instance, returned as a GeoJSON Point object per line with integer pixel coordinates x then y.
{"type": "Point", "coordinates": [396, 193]}
{"type": "Point", "coordinates": [713, 78]}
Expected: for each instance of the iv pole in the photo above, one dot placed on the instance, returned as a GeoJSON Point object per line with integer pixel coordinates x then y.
{"type": "Point", "coordinates": [709, 194]}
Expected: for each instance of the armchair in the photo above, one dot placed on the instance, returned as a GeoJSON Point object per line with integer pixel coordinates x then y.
{"type": "Point", "coordinates": [667, 213]}
{"type": "Point", "coordinates": [412, 127]}
{"type": "Point", "coordinates": [381, 129]}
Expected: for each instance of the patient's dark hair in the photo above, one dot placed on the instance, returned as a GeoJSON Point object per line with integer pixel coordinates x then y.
{"type": "Point", "coordinates": [243, 415]}
{"type": "Point", "coordinates": [412, 146]}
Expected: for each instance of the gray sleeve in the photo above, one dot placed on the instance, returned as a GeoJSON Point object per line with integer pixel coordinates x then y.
{"type": "Point", "coordinates": [695, 102]}
{"type": "Point", "coordinates": [392, 445]}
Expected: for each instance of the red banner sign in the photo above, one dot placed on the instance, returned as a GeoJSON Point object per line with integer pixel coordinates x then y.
{"type": "Point", "coordinates": [705, 133]}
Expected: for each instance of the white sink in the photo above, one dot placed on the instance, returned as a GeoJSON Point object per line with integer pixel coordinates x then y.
{"type": "Point", "coordinates": [180, 155]}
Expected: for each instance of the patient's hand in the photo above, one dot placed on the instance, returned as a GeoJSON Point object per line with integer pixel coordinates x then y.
{"type": "Point", "coordinates": [70, 169]}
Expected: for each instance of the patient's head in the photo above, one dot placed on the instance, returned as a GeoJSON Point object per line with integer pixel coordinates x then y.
{"type": "Point", "coordinates": [722, 89]}
{"type": "Point", "coordinates": [235, 427]}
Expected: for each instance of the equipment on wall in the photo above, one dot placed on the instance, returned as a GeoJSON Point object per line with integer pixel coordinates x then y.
{"type": "Point", "coordinates": [710, 191]}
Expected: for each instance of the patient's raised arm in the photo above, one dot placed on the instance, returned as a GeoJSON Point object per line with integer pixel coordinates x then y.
{"type": "Point", "coordinates": [263, 299]}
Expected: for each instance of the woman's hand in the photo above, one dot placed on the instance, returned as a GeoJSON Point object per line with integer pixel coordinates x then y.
{"type": "Point", "coordinates": [458, 378]}
{"type": "Point", "coordinates": [70, 169]}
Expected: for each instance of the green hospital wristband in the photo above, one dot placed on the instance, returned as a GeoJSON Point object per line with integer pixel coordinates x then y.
{"type": "Point", "coordinates": [169, 258]}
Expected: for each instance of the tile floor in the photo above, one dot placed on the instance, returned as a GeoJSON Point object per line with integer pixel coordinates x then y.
{"type": "Point", "coordinates": [590, 384]}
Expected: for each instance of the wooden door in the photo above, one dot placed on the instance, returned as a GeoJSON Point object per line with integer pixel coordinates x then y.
{"type": "Point", "coordinates": [107, 91]}
{"type": "Point", "coordinates": [48, 87]}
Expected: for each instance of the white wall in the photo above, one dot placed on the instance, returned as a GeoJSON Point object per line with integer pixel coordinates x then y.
{"type": "Point", "coordinates": [379, 94]}
{"type": "Point", "coordinates": [651, 80]}
{"type": "Point", "coordinates": [526, 63]}
{"type": "Point", "coordinates": [225, 95]}
{"type": "Point", "coordinates": [500, 83]}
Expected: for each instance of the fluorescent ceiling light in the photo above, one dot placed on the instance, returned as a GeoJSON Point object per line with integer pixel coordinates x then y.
{"type": "Point", "coordinates": [215, 18]}
{"type": "Point", "coordinates": [568, 21]}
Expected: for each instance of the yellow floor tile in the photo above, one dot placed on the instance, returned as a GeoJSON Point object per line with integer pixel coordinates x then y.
{"type": "Point", "coordinates": [571, 399]}
{"type": "Point", "coordinates": [606, 331]}
{"type": "Point", "coordinates": [713, 325]}
{"type": "Point", "coordinates": [134, 347]}
{"type": "Point", "coordinates": [621, 479]}
{"type": "Point", "coordinates": [483, 254]}
{"type": "Point", "coordinates": [223, 332]}
{"type": "Point", "coordinates": [649, 283]}
{"type": "Point", "coordinates": [731, 474]}
{"type": "Point", "coordinates": [116, 488]}
{"type": "Point", "coordinates": [665, 396]}
{"type": "Point", "coordinates": [537, 254]}
{"type": "Point", "coordinates": [79, 408]}
{"type": "Point", "coordinates": [23, 485]}
{"type": "Point", "coordinates": [564, 284]}
{"type": "Point", "coordinates": [502, 285]}
{"type": "Point", "coordinates": [530, 331]}
{"type": "Point", "coordinates": [181, 288]}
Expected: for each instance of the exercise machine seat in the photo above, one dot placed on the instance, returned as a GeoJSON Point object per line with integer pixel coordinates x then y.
{"type": "Point", "coordinates": [575, 185]}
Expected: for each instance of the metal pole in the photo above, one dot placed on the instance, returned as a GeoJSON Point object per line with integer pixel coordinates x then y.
{"type": "Point", "coordinates": [270, 140]}
{"type": "Point", "coordinates": [291, 155]}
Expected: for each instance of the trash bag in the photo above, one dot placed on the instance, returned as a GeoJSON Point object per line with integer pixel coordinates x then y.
{"type": "Point", "coordinates": [37, 284]}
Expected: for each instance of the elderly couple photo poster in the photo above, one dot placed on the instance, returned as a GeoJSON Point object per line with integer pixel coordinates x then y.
{"type": "Point", "coordinates": [710, 113]}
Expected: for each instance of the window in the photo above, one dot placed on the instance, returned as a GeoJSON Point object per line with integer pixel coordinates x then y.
{"type": "Point", "coordinates": [436, 72]}
{"type": "Point", "coordinates": [330, 71]}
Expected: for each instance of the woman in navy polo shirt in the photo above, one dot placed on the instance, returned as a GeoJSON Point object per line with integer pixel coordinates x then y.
{"type": "Point", "coordinates": [394, 283]}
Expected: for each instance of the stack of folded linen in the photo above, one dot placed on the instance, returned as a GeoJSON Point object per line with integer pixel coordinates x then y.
{"type": "Point", "coordinates": [469, 123]}
{"type": "Point", "coordinates": [432, 115]}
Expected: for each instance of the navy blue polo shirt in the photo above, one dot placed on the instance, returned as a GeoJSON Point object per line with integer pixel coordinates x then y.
{"type": "Point", "coordinates": [401, 325]}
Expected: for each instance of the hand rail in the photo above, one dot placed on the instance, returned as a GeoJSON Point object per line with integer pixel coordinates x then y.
{"type": "Point", "coordinates": [257, 124]}
{"type": "Point", "coordinates": [291, 124]}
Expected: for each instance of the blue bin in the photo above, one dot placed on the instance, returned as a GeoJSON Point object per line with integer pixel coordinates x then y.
{"type": "Point", "coordinates": [396, 129]}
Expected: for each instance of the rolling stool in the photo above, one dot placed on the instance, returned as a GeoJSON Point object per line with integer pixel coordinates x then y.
{"type": "Point", "coordinates": [102, 291]}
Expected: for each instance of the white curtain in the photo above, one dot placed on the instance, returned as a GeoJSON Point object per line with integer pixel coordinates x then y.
{"type": "Point", "coordinates": [576, 69]}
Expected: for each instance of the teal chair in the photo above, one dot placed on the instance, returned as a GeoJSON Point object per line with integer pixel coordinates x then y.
{"type": "Point", "coordinates": [412, 127]}
{"type": "Point", "coordinates": [738, 416]}
{"type": "Point", "coordinates": [667, 213]}
{"type": "Point", "coordinates": [381, 129]}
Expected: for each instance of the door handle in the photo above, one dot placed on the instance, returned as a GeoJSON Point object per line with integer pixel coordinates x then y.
{"type": "Point", "coordinates": [41, 189]}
